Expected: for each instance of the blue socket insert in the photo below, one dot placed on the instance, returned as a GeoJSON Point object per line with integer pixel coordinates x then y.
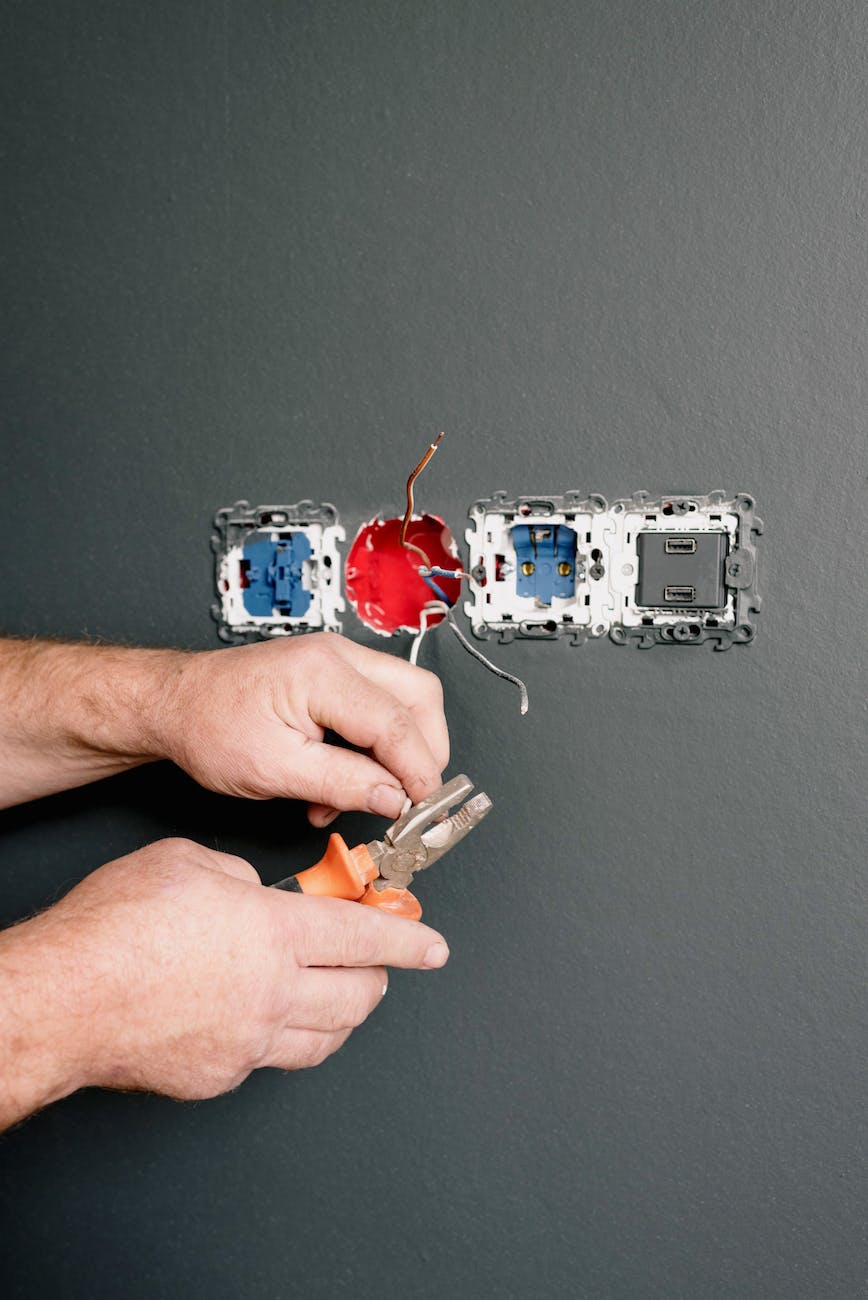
{"type": "Point", "coordinates": [545, 561]}
{"type": "Point", "coordinates": [272, 574]}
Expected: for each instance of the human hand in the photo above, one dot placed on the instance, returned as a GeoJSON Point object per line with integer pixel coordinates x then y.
{"type": "Point", "coordinates": [251, 721]}
{"type": "Point", "coordinates": [174, 970]}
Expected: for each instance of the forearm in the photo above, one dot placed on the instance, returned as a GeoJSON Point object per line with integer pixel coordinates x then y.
{"type": "Point", "coordinates": [44, 1019]}
{"type": "Point", "coordinates": [73, 713]}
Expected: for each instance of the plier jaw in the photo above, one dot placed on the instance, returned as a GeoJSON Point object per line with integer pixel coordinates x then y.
{"type": "Point", "coordinates": [378, 873]}
{"type": "Point", "coordinates": [425, 832]}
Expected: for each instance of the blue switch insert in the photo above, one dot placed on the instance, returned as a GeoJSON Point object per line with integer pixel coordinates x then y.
{"type": "Point", "coordinates": [545, 556]}
{"type": "Point", "coordinates": [272, 574]}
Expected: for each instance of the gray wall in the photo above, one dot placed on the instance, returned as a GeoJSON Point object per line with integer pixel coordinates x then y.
{"type": "Point", "coordinates": [268, 250]}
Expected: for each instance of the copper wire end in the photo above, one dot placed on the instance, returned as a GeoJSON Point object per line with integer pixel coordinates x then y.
{"type": "Point", "coordinates": [408, 514]}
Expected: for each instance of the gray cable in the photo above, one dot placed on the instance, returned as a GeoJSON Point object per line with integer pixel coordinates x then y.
{"type": "Point", "coordinates": [498, 672]}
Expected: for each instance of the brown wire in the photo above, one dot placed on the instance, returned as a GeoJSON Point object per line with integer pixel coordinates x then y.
{"type": "Point", "coordinates": [410, 503]}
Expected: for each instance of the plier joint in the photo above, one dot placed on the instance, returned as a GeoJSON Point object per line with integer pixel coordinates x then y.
{"type": "Point", "coordinates": [380, 872]}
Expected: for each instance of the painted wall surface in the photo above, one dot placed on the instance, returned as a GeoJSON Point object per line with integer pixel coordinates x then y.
{"type": "Point", "coordinates": [268, 251]}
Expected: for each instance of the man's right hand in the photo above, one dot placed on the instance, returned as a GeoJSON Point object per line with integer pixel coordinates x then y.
{"type": "Point", "coordinates": [174, 970]}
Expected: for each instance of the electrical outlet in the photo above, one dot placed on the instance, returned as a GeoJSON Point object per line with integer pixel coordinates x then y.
{"type": "Point", "coordinates": [677, 568]}
{"type": "Point", "coordinates": [277, 570]}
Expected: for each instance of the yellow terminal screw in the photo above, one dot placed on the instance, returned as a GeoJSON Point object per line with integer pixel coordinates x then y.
{"type": "Point", "coordinates": [564, 569]}
{"type": "Point", "coordinates": [527, 567]}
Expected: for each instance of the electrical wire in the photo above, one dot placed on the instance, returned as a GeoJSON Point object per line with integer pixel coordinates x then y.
{"type": "Point", "coordinates": [408, 514]}
{"type": "Point", "coordinates": [492, 668]}
{"type": "Point", "coordinates": [441, 605]}
{"type": "Point", "coordinates": [433, 607]}
{"type": "Point", "coordinates": [444, 573]}
{"type": "Point", "coordinates": [439, 593]}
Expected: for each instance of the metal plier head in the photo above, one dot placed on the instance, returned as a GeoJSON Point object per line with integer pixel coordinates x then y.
{"type": "Point", "coordinates": [426, 831]}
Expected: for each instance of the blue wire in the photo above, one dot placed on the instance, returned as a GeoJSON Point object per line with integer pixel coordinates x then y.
{"type": "Point", "coordinates": [441, 595]}
{"type": "Point", "coordinates": [444, 573]}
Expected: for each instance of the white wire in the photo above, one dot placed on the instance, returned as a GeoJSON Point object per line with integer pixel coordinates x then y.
{"type": "Point", "coordinates": [432, 607]}
{"type": "Point", "coordinates": [493, 668]}
{"type": "Point", "coordinates": [440, 607]}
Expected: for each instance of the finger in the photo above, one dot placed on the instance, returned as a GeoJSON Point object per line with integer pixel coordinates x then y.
{"type": "Point", "coordinates": [331, 932]}
{"type": "Point", "coordinates": [320, 814]}
{"type": "Point", "coordinates": [331, 777]}
{"type": "Point", "coordinates": [331, 999]}
{"type": "Point", "coordinates": [417, 688]}
{"type": "Point", "coordinates": [302, 1049]}
{"type": "Point", "coordinates": [373, 718]}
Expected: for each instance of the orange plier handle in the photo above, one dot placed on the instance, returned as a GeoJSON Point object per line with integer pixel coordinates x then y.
{"type": "Point", "coordinates": [343, 872]}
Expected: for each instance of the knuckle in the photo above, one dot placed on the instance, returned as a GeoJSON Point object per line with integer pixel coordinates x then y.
{"type": "Point", "coordinates": [359, 1007]}
{"type": "Point", "coordinates": [321, 646]}
{"type": "Point", "coordinates": [361, 945]}
{"type": "Point", "coordinates": [397, 725]}
{"type": "Point", "coordinates": [207, 1082]}
{"type": "Point", "coordinates": [315, 1050]}
{"type": "Point", "coordinates": [330, 671]}
{"type": "Point", "coordinates": [347, 1013]}
{"type": "Point", "coordinates": [242, 868]}
{"type": "Point", "coordinates": [421, 784]}
{"type": "Point", "coordinates": [431, 685]}
{"type": "Point", "coordinates": [176, 847]}
{"type": "Point", "coordinates": [255, 775]}
{"type": "Point", "coordinates": [170, 859]}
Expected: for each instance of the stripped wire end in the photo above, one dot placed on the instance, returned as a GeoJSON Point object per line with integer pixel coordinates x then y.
{"type": "Point", "coordinates": [408, 513]}
{"type": "Point", "coordinates": [428, 574]}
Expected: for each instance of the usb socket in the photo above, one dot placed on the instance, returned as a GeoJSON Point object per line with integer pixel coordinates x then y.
{"type": "Point", "coordinates": [679, 595]}
{"type": "Point", "coordinates": [680, 546]}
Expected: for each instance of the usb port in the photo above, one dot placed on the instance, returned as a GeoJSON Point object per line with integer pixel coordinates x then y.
{"type": "Point", "coordinates": [679, 595]}
{"type": "Point", "coordinates": [680, 546]}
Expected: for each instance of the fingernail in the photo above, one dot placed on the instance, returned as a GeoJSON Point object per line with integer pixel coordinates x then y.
{"type": "Point", "coordinates": [329, 818]}
{"type": "Point", "coordinates": [386, 801]}
{"type": "Point", "coordinates": [436, 955]}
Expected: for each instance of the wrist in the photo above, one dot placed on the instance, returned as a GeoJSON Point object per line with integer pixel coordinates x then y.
{"type": "Point", "coordinates": [44, 1019]}
{"type": "Point", "coordinates": [167, 701]}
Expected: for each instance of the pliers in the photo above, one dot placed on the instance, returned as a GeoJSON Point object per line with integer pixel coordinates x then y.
{"type": "Point", "coordinates": [380, 872]}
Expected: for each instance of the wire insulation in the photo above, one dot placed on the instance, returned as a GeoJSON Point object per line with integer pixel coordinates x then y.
{"type": "Point", "coordinates": [493, 668]}
{"type": "Point", "coordinates": [443, 607]}
{"type": "Point", "coordinates": [433, 607]}
{"type": "Point", "coordinates": [438, 591]}
{"type": "Point", "coordinates": [445, 573]}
